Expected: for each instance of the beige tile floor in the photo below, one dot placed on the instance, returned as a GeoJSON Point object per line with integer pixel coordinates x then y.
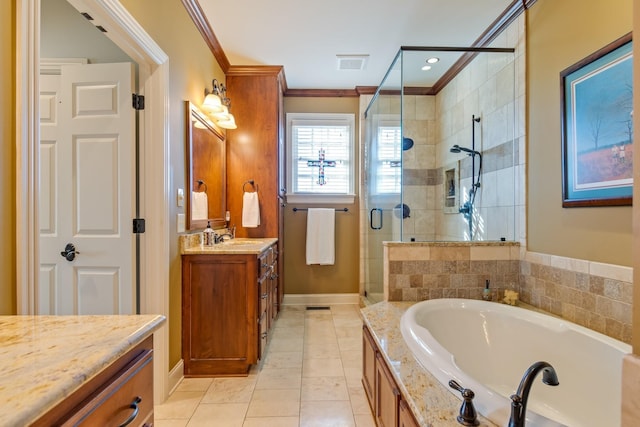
{"type": "Point", "coordinates": [310, 377]}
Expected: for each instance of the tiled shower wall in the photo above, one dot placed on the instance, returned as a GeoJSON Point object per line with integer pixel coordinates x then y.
{"type": "Point", "coordinates": [595, 295]}
{"type": "Point", "coordinates": [420, 176]}
{"type": "Point", "coordinates": [491, 87]}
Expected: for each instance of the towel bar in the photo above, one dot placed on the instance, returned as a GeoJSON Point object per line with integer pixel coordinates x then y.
{"type": "Point", "coordinates": [306, 209]}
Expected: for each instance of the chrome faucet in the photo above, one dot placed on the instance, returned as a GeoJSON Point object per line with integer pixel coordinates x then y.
{"type": "Point", "coordinates": [231, 234]}
{"type": "Point", "coordinates": [519, 400]}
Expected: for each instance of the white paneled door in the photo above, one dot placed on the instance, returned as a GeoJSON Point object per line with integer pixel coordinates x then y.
{"type": "Point", "coordinates": [87, 191]}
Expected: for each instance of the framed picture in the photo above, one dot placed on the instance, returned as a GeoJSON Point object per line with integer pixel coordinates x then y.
{"type": "Point", "coordinates": [597, 128]}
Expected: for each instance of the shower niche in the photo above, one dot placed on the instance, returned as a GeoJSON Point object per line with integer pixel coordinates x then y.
{"type": "Point", "coordinates": [451, 184]}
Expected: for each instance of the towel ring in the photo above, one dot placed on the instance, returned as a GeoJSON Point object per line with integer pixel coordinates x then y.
{"type": "Point", "coordinates": [201, 183]}
{"type": "Point", "coordinates": [250, 182]}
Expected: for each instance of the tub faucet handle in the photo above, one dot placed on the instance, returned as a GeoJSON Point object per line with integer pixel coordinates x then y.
{"type": "Point", "coordinates": [468, 415]}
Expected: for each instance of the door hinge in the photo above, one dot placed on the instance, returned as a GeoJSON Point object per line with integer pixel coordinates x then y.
{"type": "Point", "coordinates": [138, 225]}
{"type": "Point", "coordinates": [138, 101]}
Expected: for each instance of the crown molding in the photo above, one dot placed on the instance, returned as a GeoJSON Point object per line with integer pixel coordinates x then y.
{"type": "Point", "coordinates": [196, 13]}
{"type": "Point", "coordinates": [202, 24]}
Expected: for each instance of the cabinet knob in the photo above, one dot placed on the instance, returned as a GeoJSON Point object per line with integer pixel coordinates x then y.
{"type": "Point", "coordinates": [263, 335]}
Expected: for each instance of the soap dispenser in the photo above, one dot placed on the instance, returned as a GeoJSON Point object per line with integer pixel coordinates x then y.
{"type": "Point", "coordinates": [208, 235]}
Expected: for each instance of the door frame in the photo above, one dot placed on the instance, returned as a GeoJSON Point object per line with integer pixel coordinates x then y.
{"type": "Point", "coordinates": [153, 69]}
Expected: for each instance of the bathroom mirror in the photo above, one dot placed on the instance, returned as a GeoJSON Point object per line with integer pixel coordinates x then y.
{"type": "Point", "coordinates": [205, 170]}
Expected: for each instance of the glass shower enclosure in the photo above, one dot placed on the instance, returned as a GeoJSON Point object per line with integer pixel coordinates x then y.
{"type": "Point", "coordinates": [440, 152]}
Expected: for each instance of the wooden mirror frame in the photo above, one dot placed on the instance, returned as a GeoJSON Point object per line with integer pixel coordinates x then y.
{"type": "Point", "coordinates": [205, 161]}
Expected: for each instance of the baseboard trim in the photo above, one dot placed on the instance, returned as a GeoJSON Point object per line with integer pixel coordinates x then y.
{"type": "Point", "coordinates": [175, 376]}
{"type": "Point", "coordinates": [320, 299]}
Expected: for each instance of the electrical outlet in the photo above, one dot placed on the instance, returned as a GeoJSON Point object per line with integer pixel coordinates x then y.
{"type": "Point", "coordinates": [181, 223]}
{"type": "Point", "coordinates": [180, 197]}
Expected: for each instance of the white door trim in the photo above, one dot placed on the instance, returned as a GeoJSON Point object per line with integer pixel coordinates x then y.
{"type": "Point", "coordinates": [153, 67]}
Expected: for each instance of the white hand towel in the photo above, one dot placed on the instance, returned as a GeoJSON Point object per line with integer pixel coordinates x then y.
{"type": "Point", "coordinates": [199, 205]}
{"type": "Point", "coordinates": [250, 210]}
{"type": "Point", "coordinates": [321, 236]}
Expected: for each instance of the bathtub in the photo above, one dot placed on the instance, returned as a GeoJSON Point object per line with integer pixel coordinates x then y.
{"type": "Point", "coordinates": [487, 347]}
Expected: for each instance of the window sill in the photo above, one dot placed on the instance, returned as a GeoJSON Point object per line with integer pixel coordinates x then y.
{"type": "Point", "coordinates": [321, 198]}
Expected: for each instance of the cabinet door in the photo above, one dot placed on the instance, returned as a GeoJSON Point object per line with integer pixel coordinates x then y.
{"type": "Point", "coordinates": [387, 395]}
{"type": "Point", "coordinates": [406, 417]}
{"type": "Point", "coordinates": [219, 314]}
{"type": "Point", "coordinates": [368, 366]}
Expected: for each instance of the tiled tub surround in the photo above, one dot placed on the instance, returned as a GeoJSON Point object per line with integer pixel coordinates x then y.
{"type": "Point", "coordinates": [595, 295]}
{"type": "Point", "coordinates": [429, 270]}
{"type": "Point", "coordinates": [430, 402]}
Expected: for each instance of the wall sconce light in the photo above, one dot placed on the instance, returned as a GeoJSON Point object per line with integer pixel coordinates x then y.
{"type": "Point", "coordinates": [217, 105]}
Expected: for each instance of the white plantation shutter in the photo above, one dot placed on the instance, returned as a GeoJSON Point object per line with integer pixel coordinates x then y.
{"type": "Point", "coordinates": [388, 175]}
{"type": "Point", "coordinates": [309, 134]}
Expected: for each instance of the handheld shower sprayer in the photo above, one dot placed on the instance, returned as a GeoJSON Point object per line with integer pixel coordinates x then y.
{"type": "Point", "coordinates": [458, 149]}
{"type": "Point", "coordinates": [467, 209]}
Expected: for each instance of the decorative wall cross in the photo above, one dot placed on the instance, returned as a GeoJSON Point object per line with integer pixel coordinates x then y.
{"type": "Point", "coordinates": [321, 163]}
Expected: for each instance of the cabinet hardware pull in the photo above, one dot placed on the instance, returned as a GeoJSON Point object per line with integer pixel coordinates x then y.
{"type": "Point", "coordinates": [134, 414]}
{"type": "Point", "coordinates": [264, 296]}
{"type": "Point", "coordinates": [264, 335]}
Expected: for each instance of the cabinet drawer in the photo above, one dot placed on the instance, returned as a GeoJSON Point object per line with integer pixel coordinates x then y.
{"type": "Point", "coordinates": [128, 396]}
{"type": "Point", "coordinates": [263, 265]}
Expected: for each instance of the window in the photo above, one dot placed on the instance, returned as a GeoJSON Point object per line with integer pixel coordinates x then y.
{"type": "Point", "coordinates": [388, 163]}
{"type": "Point", "coordinates": [385, 172]}
{"type": "Point", "coordinates": [320, 157]}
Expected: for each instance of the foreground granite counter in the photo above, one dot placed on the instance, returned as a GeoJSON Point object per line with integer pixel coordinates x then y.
{"type": "Point", "coordinates": [43, 359]}
{"type": "Point", "coordinates": [431, 403]}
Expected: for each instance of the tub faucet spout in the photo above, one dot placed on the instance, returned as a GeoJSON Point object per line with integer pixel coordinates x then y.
{"type": "Point", "coordinates": [519, 400]}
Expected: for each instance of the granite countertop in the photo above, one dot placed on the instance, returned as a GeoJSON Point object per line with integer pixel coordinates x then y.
{"type": "Point", "coordinates": [431, 403]}
{"type": "Point", "coordinates": [44, 359]}
{"type": "Point", "coordinates": [192, 245]}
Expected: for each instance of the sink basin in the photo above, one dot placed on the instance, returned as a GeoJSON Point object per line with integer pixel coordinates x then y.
{"type": "Point", "coordinates": [236, 242]}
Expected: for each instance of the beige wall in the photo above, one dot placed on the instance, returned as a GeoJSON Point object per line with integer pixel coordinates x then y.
{"type": "Point", "coordinates": [343, 276]}
{"type": "Point", "coordinates": [7, 160]}
{"type": "Point", "coordinates": [192, 68]}
{"type": "Point", "coordinates": [64, 33]}
{"type": "Point", "coordinates": [555, 42]}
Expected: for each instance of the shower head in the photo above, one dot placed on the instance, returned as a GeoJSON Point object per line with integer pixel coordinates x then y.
{"type": "Point", "coordinates": [457, 149]}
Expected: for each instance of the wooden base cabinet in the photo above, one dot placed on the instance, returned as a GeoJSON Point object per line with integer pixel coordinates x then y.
{"type": "Point", "coordinates": [385, 399]}
{"type": "Point", "coordinates": [226, 311]}
{"type": "Point", "coordinates": [405, 417]}
{"type": "Point", "coordinates": [122, 393]}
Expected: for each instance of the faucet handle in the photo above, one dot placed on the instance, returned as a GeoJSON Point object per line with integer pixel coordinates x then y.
{"type": "Point", "coordinates": [468, 415]}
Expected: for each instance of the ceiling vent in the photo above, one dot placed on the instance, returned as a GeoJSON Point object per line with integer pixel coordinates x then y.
{"type": "Point", "coordinates": [352, 62]}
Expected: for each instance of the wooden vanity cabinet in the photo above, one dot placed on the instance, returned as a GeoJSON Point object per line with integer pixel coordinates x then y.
{"type": "Point", "coordinates": [387, 395]}
{"type": "Point", "coordinates": [368, 365]}
{"type": "Point", "coordinates": [226, 306]}
{"type": "Point", "coordinates": [111, 398]}
{"type": "Point", "coordinates": [405, 417]}
{"type": "Point", "coordinates": [387, 404]}
{"type": "Point", "coordinates": [255, 151]}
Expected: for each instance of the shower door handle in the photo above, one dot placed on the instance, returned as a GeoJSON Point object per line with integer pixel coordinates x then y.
{"type": "Point", "coordinates": [379, 217]}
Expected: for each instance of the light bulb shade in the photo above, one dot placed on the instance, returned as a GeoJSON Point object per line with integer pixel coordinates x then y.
{"type": "Point", "coordinates": [227, 123]}
{"type": "Point", "coordinates": [212, 103]}
{"type": "Point", "coordinates": [222, 114]}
